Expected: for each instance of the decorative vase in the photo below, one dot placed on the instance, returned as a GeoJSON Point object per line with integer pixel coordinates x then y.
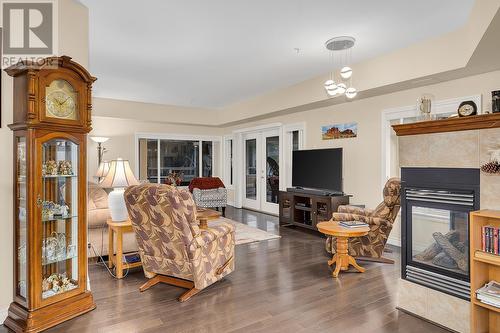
{"type": "Point", "coordinates": [424, 105]}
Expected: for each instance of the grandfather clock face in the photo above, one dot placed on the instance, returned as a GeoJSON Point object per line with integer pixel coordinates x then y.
{"type": "Point", "coordinates": [61, 100]}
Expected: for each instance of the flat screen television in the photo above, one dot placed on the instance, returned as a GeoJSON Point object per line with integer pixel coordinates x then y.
{"type": "Point", "coordinates": [318, 169]}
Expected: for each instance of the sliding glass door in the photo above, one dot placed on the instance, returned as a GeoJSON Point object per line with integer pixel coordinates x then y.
{"type": "Point", "coordinates": [160, 158]}
{"type": "Point", "coordinates": [179, 157]}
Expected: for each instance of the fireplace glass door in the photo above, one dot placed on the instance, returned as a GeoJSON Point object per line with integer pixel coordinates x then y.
{"type": "Point", "coordinates": [439, 239]}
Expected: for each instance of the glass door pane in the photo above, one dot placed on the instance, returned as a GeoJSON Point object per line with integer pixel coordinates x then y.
{"type": "Point", "coordinates": [206, 166]}
{"type": "Point", "coordinates": [22, 234]}
{"type": "Point", "coordinates": [295, 140]}
{"type": "Point", "coordinates": [272, 168]}
{"type": "Point", "coordinates": [59, 209]}
{"type": "Point", "coordinates": [148, 160]}
{"type": "Point", "coordinates": [251, 168]}
{"type": "Point", "coordinates": [179, 160]}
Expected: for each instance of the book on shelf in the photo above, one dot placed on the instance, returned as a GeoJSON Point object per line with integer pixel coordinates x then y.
{"type": "Point", "coordinates": [490, 239]}
{"type": "Point", "coordinates": [489, 294]}
{"type": "Point", "coordinates": [489, 302]}
{"type": "Point", "coordinates": [353, 224]}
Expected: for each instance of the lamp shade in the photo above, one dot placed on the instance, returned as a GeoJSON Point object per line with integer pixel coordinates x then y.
{"type": "Point", "coordinates": [99, 139]}
{"type": "Point", "coordinates": [103, 169]}
{"type": "Point", "coordinates": [119, 175]}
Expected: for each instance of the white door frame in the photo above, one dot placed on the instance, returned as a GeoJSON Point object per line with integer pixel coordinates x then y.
{"type": "Point", "coordinates": [285, 133]}
{"type": "Point", "coordinates": [239, 160]}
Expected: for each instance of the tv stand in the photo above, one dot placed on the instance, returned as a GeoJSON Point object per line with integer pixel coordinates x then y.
{"type": "Point", "coordinates": [304, 209]}
{"type": "Point", "coordinates": [313, 191]}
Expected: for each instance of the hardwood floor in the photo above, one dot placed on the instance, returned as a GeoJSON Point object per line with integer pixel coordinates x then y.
{"type": "Point", "coordinates": [280, 285]}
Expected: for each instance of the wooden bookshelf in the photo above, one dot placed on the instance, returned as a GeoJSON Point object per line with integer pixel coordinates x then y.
{"type": "Point", "coordinates": [484, 267]}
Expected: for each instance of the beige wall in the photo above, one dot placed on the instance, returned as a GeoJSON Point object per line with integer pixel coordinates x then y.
{"type": "Point", "coordinates": [73, 41]}
{"type": "Point", "coordinates": [105, 107]}
{"type": "Point", "coordinates": [362, 165]}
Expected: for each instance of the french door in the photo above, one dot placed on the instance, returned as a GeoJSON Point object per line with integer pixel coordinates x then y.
{"type": "Point", "coordinates": [262, 166]}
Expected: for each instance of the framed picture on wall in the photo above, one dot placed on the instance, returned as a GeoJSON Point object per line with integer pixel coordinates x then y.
{"type": "Point", "coordinates": [339, 131]}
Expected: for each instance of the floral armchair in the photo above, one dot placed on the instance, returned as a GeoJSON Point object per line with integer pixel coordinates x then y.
{"type": "Point", "coordinates": [380, 221]}
{"type": "Point", "coordinates": [172, 247]}
{"type": "Point", "coordinates": [209, 192]}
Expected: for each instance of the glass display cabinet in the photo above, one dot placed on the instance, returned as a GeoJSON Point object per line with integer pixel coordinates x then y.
{"type": "Point", "coordinates": [51, 121]}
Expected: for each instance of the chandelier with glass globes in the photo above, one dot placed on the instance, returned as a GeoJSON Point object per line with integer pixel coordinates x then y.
{"type": "Point", "coordinates": [340, 51]}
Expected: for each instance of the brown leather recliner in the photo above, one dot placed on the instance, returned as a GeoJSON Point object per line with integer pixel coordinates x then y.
{"type": "Point", "coordinates": [380, 221]}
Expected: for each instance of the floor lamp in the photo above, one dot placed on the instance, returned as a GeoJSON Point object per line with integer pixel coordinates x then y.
{"type": "Point", "coordinates": [102, 168]}
{"type": "Point", "coordinates": [100, 149]}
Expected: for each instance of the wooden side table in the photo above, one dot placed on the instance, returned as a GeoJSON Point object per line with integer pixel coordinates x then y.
{"type": "Point", "coordinates": [204, 215]}
{"type": "Point", "coordinates": [341, 258]}
{"type": "Point", "coordinates": [119, 228]}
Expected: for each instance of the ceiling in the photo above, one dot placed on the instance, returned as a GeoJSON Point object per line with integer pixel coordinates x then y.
{"type": "Point", "coordinates": [215, 53]}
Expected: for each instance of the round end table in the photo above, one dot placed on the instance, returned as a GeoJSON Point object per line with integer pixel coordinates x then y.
{"type": "Point", "coordinates": [341, 258]}
{"type": "Point", "coordinates": [204, 215]}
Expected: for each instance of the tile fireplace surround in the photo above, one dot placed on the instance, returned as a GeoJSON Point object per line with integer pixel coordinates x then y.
{"type": "Point", "coordinates": [460, 149]}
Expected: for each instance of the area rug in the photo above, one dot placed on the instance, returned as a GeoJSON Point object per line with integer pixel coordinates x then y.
{"type": "Point", "coordinates": [244, 233]}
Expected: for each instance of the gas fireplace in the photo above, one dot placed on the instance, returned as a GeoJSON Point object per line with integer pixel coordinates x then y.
{"type": "Point", "coordinates": [435, 226]}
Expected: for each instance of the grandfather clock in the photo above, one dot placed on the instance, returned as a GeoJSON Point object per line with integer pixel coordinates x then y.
{"type": "Point", "coordinates": [52, 107]}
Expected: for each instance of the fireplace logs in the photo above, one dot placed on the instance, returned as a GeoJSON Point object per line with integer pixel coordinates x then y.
{"type": "Point", "coordinates": [447, 251]}
{"type": "Point", "coordinates": [435, 249]}
{"type": "Point", "coordinates": [452, 251]}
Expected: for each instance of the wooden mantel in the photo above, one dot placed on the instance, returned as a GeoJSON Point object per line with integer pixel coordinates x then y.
{"type": "Point", "coordinates": [491, 120]}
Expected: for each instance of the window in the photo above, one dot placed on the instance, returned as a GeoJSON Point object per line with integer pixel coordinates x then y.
{"type": "Point", "coordinates": [180, 157]}
{"type": "Point", "coordinates": [148, 160]}
{"type": "Point", "coordinates": [207, 159]}
{"type": "Point", "coordinates": [160, 158]}
{"type": "Point", "coordinates": [295, 140]}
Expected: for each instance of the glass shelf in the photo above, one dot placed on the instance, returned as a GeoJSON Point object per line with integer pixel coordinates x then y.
{"type": "Point", "coordinates": [59, 176]}
{"type": "Point", "coordinates": [59, 259]}
{"type": "Point", "coordinates": [57, 218]}
{"type": "Point", "coordinates": [50, 293]}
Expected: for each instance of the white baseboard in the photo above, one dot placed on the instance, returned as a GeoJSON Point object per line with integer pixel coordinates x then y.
{"type": "Point", "coordinates": [396, 241]}
{"type": "Point", "coordinates": [3, 314]}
